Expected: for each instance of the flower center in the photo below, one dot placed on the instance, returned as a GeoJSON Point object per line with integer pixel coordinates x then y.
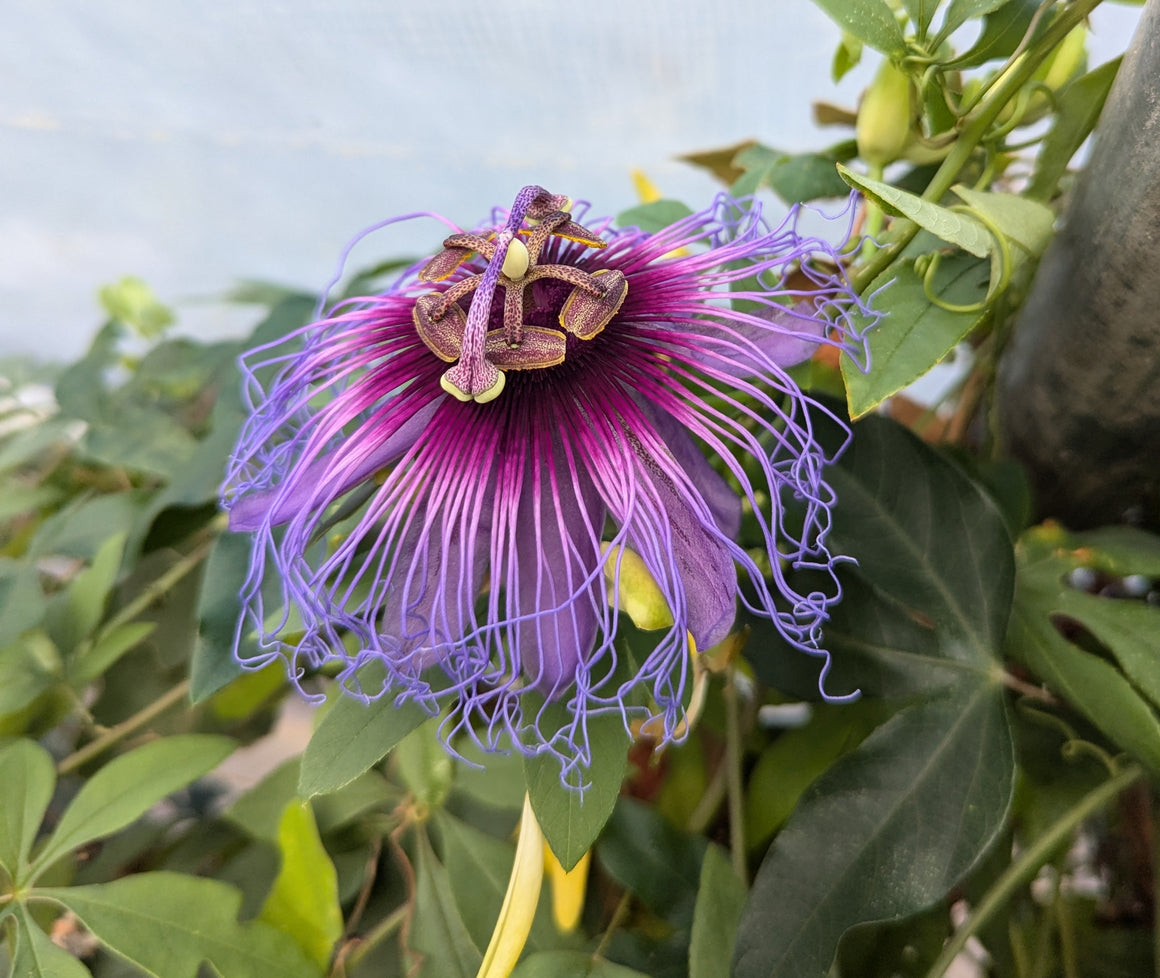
{"type": "Point", "coordinates": [460, 335]}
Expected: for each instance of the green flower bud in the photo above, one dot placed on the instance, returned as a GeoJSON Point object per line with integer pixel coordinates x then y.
{"type": "Point", "coordinates": [884, 117]}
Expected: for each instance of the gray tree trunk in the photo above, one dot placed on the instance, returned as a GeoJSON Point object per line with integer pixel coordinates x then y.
{"type": "Point", "coordinates": [1079, 387]}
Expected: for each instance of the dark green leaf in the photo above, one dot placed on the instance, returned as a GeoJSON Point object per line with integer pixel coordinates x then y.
{"type": "Point", "coordinates": [74, 615]}
{"type": "Point", "coordinates": [870, 20]}
{"type": "Point", "coordinates": [423, 764]}
{"type": "Point", "coordinates": [886, 832]}
{"type": "Point", "coordinates": [27, 779]}
{"type": "Point", "coordinates": [303, 903]}
{"type": "Point", "coordinates": [915, 334]}
{"type": "Point", "coordinates": [437, 930]}
{"type": "Point", "coordinates": [352, 737]}
{"type": "Point", "coordinates": [655, 216]}
{"type": "Point", "coordinates": [109, 647]}
{"type": "Point", "coordinates": [960, 11]}
{"type": "Point", "coordinates": [37, 956]}
{"type": "Point", "coordinates": [1121, 550]}
{"type": "Point", "coordinates": [1003, 30]}
{"type": "Point", "coordinates": [1079, 106]}
{"type": "Point", "coordinates": [720, 900]}
{"type": "Point", "coordinates": [128, 786]}
{"type": "Point", "coordinates": [168, 923]}
{"type": "Point", "coordinates": [571, 964]}
{"type": "Point", "coordinates": [571, 819]}
{"type": "Point", "coordinates": [22, 602]}
{"type": "Point", "coordinates": [213, 665]}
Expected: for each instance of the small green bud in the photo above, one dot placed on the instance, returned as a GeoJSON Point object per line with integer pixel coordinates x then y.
{"type": "Point", "coordinates": [884, 116]}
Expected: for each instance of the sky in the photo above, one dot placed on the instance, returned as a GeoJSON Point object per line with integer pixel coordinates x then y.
{"type": "Point", "coordinates": [200, 145]}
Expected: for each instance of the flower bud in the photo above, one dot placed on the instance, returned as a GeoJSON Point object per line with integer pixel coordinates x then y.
{"type": "Point", "coordinates": [884, 116]}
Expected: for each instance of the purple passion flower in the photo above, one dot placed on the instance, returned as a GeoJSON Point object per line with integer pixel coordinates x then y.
{"type": "Point", "coordinates": [444, 479]}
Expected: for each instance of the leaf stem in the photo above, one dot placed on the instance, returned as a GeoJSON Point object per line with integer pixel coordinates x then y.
{"type": "Point", "coordinates": [123, 729]}
{"type": "Point", "coordinates": [1023, 869]}
{"type": "Point", "coordinates": [379, 933]}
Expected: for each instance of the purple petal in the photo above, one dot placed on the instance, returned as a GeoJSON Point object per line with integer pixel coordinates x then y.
{"type": "Point", "coordinates": [327, 478]}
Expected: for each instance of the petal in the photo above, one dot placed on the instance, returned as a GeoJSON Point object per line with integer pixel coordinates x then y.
{"type": "Point", "coordinates": [560, 588]}
{"type": "Point", "coordinates": [317, 484]}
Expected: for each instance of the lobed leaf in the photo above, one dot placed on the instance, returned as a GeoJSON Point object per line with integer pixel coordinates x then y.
{"type": "Point", "coordinates": [27, 780]}
{"type": "Point", "coordinates": [37, 956]}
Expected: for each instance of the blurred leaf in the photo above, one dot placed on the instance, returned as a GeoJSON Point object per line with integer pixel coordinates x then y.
{"type": "Point", "coordinates": [213, 664]}
{"type": "Point", "coordinates": [571, 964]}
{"type": "Point", "coordinates": [960, 11]}
{"type": "Point", "coordinates": [27, 779]}
{"type": "Point", "coordinates": [132, 302]}
{"type": "Point", "coordinates": [719, 162]}
{"type": "Point", "coordinates": [22, 602]}
{"type": "Point", "coordinates": [304, 901]}
{"type": "Point", "coordinates": [847, 55]}
{"type": "Point", "coordinates": [259, 810]}
{"type": "Point", "coordinates": [1003, 29]}
{"type": "Point", "coordinates": [352, 737]}
{"type": "Point", "coordinates": [921, 12]}
{"type": "Point", "coordinates": [887, 831]}
{"type": "Point", "coordinates": [658, 862]}
{"type": "Point", "coordinates": [869, 20]}
{"type": "Point", "coordinates": [655, 216]}
{"type": "Point", "coordinates": [797, 758]}
{"type": "Point", "coordinates": [423, 764]}
{"type": "Point", "coordinates": [128, 786]}
{"type": "Point", "coordinates": [437, 930]}
{"type": "Point", "coordinates": [37, 956]}
{"type": "Point", "coordinates": [21, 500]}
{"type": "Point", "coordinates": [571, 819]}
{"type": "Point", "coordinates": [168, 923]}
{"type": "Point", "coordinates": [74, 615]}
{"type": "Point", "coordinates": [1127, 629]}
{"type": "Point", "coordinates": [24, 446]}
{"type": "Point", "coordinates": [249, 692]}
{"type": "Point", "coordinates": [28, 667]}
{"type": "Point", "coordinates": [1120, 550]}
{"type": "Point", "coordinates": [720, 900]}
{"type": "Point", "coordinates": [83, 526]}
{"type": "Point", "coordinates": [1078, 108]}
{"type": "Point", "coordinates": [496, 780]}
{"type": "Point", "coordinates": [949, 225]}
{"type": "Point", "coordinates": [109, 647]}
{"type": "Point", "coordinates": [914, 334]}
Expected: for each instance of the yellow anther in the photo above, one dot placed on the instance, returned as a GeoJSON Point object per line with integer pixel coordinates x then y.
{"type": "Point", "coordinates": [493, 391]}
{"type": "Point", "coordinates": [484, 397]}
{"type": "Point", "coordinates": [517, 260]}
{"type": "Point", "coordinates": [454, 391]}
{"type": "Point", "coordinates": [568, 889]}
{"type": "Point", "coordinates": [519, 903]}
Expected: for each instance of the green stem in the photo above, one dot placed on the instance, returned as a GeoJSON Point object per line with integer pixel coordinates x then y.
{"type": "Point", "coordinates": [1023, 869]}
{"type": "Point", "coordinates": [122, 730]}
{"type": "Point", "coordinates": [733, 777]}
{"type": "Point", "coordinates": [975, 125]}
{"type": "Point", "coordinates": [379, 933]}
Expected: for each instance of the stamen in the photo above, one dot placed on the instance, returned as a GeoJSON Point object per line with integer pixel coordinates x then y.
{"type": "Point", "coordinates": [516, 261]}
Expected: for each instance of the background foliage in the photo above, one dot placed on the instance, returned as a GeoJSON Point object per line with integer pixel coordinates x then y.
{"type": "Point", "coordinates": [1009, 669]}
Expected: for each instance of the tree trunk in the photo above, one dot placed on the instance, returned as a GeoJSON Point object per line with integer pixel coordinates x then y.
{"type": "Point", "coordinates": [1079, 387]}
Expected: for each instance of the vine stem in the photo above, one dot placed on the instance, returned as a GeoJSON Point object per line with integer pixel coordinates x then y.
{"type": "Point", "coordinates": [733, 777]}
{"type": "Point", "coordinates": [975, 125]}
{"type": "Point", "coordinates": [1023, 869]}
{"type": "Point", "coordinates": [123, 729]}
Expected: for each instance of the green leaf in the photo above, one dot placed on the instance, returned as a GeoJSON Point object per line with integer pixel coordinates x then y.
{"type": "Point", "coordinates": [1003, 30]}
{"type": "Point", "coordinates": [437, 930]}
{"type": "Point", "coordinates": [915, 334]}
{"type": "Point", "coordinates": [36, 955]}
{"type": "Point", "coordinates": [571, 964]}
{"type": "Point", "coordinates": [927, 537]}
{"type": "Point", "coordinates": [960, 11]}
{"type": "Point", "coordinates": [75, 615]}
{"type": "Point", "coordinates": [18, 500]}
{"type": "Point", "coordinates": [646, 854]}
{"type": "Point", "coordinates": [1127, 629]}
{"type": "Point", "coordinates": [720, 900]}
{"type": "Point", "coordinates": [29, 667]}
{"type": "Point", "coordinates": [109, 647]}
{"type": "Point", "coordinates": [1121, 550]}
{"type": "Point", "coordinates": [655, 216]}
{"type": "Point", "coordinates": [21, 600]}
{"type": "Point", "coordinates": [303, 903]}
{"type": "Point", "coordinates": [1078, 108]}
{"type": "Point", "coordinates": [959, 229]}
{"type": "Point", "coordinates": [921, 12]}
{"type": "Point", "coordinates": [571, 819]}
{"type": "Point", "coordinates": [132, 302]}
{"type": "Point", "coordinates": [27, 779]}
{"type": "Point", "coordinates": [887, 831]}
{"type": "Point", "coordinates": [168, 923]}
{"type": "Point", "coordinates": [423, 764]}
{"type": "Point", "coordinates": [213, 664]}
{"type": "Point", "coordinates": [128, 786]}
{"type": "Point", "coordinates": [871, 21]}
{"type": "Point", "coordinates": [1026, 222]}
{"type": "Point", "coordinates": [351, 738]}
{"type": "Point", "coordinates": [797, 758]}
